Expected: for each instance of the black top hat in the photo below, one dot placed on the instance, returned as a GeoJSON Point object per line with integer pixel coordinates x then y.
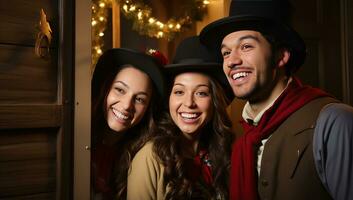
{"type": "Point", "coordinates": [113, 59]}
{"type": "Point", "coordinates": [192, 56]}
{"type": "Point", "coordinates": [265, 16]}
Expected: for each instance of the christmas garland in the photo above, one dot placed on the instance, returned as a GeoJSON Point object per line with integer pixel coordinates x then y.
{"type": "Point", "coordinates": [143, 21]}
{"type": "Point", "coordinates": [145, 24]}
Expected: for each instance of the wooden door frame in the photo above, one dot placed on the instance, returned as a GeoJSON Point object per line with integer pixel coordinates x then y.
{"type": "Point", "coordinates": [82, 116]}
{"type": "Point", "coordinates": [65, 98]}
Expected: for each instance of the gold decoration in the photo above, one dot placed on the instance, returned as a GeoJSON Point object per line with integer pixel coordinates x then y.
{"type": "Point", "coordinates": [146, 24]}
{"type": "Point", "coordinates": [44, 34]}
{"type": "Point", "coordinates": [143, 20]}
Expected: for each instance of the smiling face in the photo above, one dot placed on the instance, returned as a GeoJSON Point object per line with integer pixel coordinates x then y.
{"type": "Point", "coordinates": [248, 64]}
{"type": "Point", "coordinates": [190, 103]}
{"type": "Point", "coordinates": [128, 99]}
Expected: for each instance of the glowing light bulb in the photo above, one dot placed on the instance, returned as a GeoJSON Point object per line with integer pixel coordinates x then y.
{"type": "Point", "coordinates": [171, 25]}
{"type": "Point", "coordinates": [101, 34]}
{"type": "Point", "coordinates": [206, 2]}
{"type": "Point", "coordinates": [132, 8]}
{"type": "Point", "coordinates": [99, 51]}
{"type": "Point", "coordinates": [160, 34]}
{"type": "Point", "coordinates": [101, 19]}
{"type": "Point", "coordinates": [139, 15]}
{"type": "Point", "coordinates": [178, 26]}
{"type": "Point", "coordinates": [102, 5]}
{"type": "Point", "coordinates": [151, 20]}
{"type": "Point", "coordinates": [94, 22]}
{"type": "Point", "coordinates": [125, 7]}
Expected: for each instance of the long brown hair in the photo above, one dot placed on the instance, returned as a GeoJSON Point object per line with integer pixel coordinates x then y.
{"type": "Point", "coordinates": [216, 138]}
{"type": "Point", "coordinates": [131, 141]}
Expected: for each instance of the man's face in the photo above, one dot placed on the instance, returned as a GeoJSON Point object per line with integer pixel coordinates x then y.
{"type": "Point", "coordinates": [248, 64]}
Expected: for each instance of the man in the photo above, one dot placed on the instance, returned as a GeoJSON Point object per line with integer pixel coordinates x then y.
{"type": "Point", "coordinates": [298, 140]}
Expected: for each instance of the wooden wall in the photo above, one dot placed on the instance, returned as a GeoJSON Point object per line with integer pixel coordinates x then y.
{"type": "Point", "coordinates": [35, 101]}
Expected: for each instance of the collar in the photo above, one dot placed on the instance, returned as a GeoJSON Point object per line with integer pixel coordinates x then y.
{"type": "Point", "coordinates": [246, 114]}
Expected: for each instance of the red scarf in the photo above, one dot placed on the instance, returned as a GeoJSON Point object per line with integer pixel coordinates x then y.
{"type": "Point", "coordinates": [199, 169]}
{"type": "Point", "coordinates": [243, 180]}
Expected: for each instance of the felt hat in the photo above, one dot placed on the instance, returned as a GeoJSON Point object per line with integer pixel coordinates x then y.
{"type": "Point", "coordinates": [264, 16]}
{"type": "Point", "coordinates": [113, 59]}
{"type": "Point", "coordinates": [192, 56]}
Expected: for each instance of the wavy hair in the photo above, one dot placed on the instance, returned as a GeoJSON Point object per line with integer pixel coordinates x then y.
{"type": "Point", "coordinates": [216, 138]}
{"type": "Point", "coordinates": [131, 141]}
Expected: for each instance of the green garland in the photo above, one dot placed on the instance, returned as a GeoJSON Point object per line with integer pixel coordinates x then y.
{"type": "Point", "coordinates": [145, 24]}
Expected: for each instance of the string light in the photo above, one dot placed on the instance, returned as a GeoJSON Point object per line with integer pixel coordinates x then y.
{"type": "Point", "coordinates": [143, 20]}
{"type": "Point", "coordinates": [146, 24]}
{"type": "Point", "coordinates": [99, 22]}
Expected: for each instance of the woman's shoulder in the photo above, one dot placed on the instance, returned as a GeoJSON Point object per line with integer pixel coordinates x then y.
{"type": "Point", "coordinates": [146, 151]}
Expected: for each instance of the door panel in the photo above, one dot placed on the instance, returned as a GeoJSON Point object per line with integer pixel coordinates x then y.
{"type": "Point", "coordinates": [24, 78]}
{"type": "Point", "coordinates": [20, 18]}
{"type": "Point", "coordinates": [36, 101]}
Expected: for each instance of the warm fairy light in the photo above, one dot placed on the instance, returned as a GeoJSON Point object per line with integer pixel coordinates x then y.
{"type": "Point", "coordinates": [125, 7]}
{"type": "Point", "coordinates": [160, 34]}
{"type": "Point", "coordinates": [160, 24]}
{"type": "Point", "coordinates": [99, 51]}
{"type": "Point", "coordinates": [143, 20]}
{"type": "Point", "coordinates": [151, 20]}
{"type": "Point", "coordinates": [139, 15]}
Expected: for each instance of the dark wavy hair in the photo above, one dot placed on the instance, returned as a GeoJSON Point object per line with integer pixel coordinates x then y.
{"type": "Point", "coordinates": [131, 141]}
{"type": "Point", "coordinates": [216, 138]}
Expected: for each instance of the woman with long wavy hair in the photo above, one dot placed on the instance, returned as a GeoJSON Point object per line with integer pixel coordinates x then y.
{"type": "Point", "coordinates": [189, 156]}
{"type": "Point", "coordinates": [126, 90]}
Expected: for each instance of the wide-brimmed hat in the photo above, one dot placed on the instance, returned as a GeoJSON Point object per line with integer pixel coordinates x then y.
{"type": "Point", "coordinates": [192, 56]}
{"type": "Point", "coordinates": [113, 59]}
{"type": "Point", "coordinates": [264, 16]}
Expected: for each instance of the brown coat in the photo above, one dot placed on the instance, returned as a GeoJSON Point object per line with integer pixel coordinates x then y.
{"type": "Point", "coordinates": [287, 167]}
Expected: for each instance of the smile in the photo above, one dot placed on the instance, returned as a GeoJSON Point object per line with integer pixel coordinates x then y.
{"type": "Point", "coordinates": [240, 75]}
{"type": "Point", "coordinates": [120, 115]}
{"type": "Point", "coordinates": [189, 117]}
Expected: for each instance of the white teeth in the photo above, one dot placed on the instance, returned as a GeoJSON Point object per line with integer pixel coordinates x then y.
{"type": "Point", "coordinates": [120, 115]}
{"type": "Point", "coordinates": [189, 115]}
{"type": "Point", "coordinates": [240, 75]}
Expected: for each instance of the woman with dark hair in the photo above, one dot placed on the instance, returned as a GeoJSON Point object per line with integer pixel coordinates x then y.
{"type": "Point", "coordinates": [126, 90]}
{"type": "Point", "coordinates": [189, 157]}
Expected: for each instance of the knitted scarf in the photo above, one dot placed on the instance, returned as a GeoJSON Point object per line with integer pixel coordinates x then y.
{"type": "Point", "coordinates": [243, 180]}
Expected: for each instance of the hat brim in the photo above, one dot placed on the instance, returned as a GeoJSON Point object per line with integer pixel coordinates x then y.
{"type": "Point", "coordinates": [211, 69]}
{"type": "Point", "coordinates": [212, 35]}
{"type": "Point", "coordinates": [113, 59]}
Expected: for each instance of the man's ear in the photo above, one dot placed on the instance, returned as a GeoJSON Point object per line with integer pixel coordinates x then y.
{"type": "Point", "coordinates": [283, 57]}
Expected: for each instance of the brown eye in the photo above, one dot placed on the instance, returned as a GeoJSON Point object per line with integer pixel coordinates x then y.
{"type": "Point", "coordinates": [119, 90]}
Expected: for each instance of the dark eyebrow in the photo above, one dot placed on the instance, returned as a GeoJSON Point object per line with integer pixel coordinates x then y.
{"type": "Point", "coordinates": [197, 86]}
{"type": "Point", "coordinates": [121, 82]}
{"type": "Point", "coordinates": [127, 86]}
{"type": "Point", "coordinates": [244, 38]}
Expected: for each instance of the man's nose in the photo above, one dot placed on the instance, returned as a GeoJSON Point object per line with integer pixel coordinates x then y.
{"type": "Point", "coordinates": [233, 60]}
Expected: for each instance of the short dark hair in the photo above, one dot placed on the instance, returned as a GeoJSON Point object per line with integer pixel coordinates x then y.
{"type": "Point", "coordinates": [277, 44]}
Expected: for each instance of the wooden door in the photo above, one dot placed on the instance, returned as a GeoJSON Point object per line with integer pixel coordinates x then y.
{"type": "Point", "coordinates": [35, 101]}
